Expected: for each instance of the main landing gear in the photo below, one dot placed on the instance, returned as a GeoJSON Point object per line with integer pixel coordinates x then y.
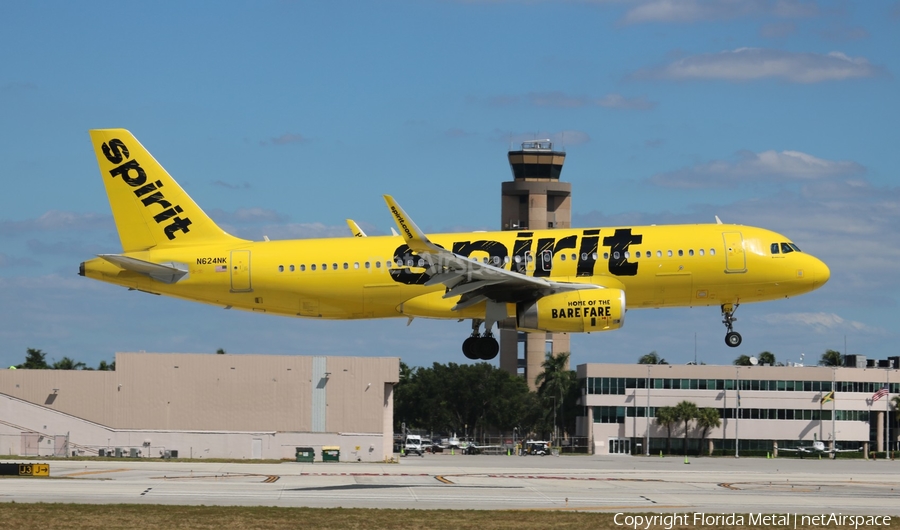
{"type": "Point", "coordinates": [480, 346]}
{"type": "Point", "coordinates": [732, 337]}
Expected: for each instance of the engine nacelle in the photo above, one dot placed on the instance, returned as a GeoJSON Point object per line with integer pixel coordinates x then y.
{"type": "Point", "coordinates": [579, 311]}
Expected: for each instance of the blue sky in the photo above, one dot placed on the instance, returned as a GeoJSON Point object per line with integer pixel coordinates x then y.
{"type": "Point", "coordinates": [284, 118]}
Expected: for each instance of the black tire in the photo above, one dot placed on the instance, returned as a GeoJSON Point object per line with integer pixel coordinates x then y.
{"type": "Point", "coordinates": [733, 339]}
{"type": "Point", "coordinates": [488, 348]}
{"type": "Point", "coordinates": [470, 348]}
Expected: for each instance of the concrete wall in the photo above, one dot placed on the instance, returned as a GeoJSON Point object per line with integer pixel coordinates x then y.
{"type": "Point", "coordinates": [213, 405]}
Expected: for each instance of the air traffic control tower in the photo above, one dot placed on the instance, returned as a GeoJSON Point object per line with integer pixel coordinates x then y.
{"type": "Point", "coordinates": [534, 200]}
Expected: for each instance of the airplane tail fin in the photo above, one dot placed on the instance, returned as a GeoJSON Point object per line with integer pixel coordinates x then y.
{"type": "Point", "coordinates": [149, 207]}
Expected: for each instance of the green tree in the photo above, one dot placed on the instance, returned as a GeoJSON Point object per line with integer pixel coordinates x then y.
{"type": "Point", "coordinates": [742, 360]}
{"type": "Point", "coordinates": [651, 358]}
{"type": "Point", "coordinates": [68, 364]}
{"type": "Point", "coordinates": [767, 357]}
{"type": "Point", "coordinates": [103, 367]}
{"type": "Point", "coordinates": [220, 351]}
{"type": "Point", "coordinates": [831, 358]}
{"type": "Point", "coordinates": [555, 384]}
{"type": "Point", "coordinates": [34, 360]}
{"type": "Point", "coordinates": [667, 417]}
{"type": "Point", "coordinates": [707, 419]}
{"type": "Point", "coordinates": [686, 411]}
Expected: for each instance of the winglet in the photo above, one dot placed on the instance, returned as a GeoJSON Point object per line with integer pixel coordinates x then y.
{"type": "Point", "coordinates": [355, 229]}
{"type": "Point", "coordinates": [415, 238]}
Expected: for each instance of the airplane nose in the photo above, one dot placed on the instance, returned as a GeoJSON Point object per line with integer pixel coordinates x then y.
{"type": "Point", "coordinates": [821, 272]}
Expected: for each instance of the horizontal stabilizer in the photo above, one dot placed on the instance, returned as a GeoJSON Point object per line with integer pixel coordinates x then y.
{"type": "Point", "coordinates": [162, 272]}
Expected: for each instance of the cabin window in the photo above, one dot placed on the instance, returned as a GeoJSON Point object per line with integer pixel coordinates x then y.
{"type": "Point", "coordinates": [606, 255]}
{"type": "Point", "coordinates": [346, 266]}
{"type": "Point", "coordinates": [377, 264]}
{"type": "Point", "coordinates": [356, 265]}
{"type": "Point", "coordinates": [680, 253]}
{"type": "Point", "coordinates": [616, 255]}
{"type": "Point", "coordinates": [627, 254]}
{"type": "Point", "coordinates": [562, 257]}
{"type": "Point", "coordinates": [594, 256]}
{"type": "Point", "coordinates": [517, 259]}
{"type": "Point", "coordinates": [659, 253]}
{"type": "Point", "coordinates": [701, 251]}
{"type": "Point", "coordinates": [281, 268]}
{"type": "Point", "coordinates": [669, 253]}
{"type": "Point", "coordinates": [312, 267]}
{"type": "Point", "coordinates": [574, 257]}
{"type": "Point", "coordinates": [334, 266]}
{"type": "Point", "coordinates": [775, 248]}
{"type": "Point", "coordinates": [368, 265]}
{"type": "Point", "coordinates": [690, 252]}
{"type": "Point", "coordinates": [712, 252]}
{"type": "Point", "coordinates": [302, 268]}
{"type": "Point", "coordinates": [292, 268]}
{"type": "Point", "coordinates": [324, 266]}
{"type": "Point", "coordinates": [505, 260]}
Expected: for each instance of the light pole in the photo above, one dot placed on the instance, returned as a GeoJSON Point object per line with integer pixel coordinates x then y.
{"type": "Point", "coordinates": [554, 420]}
{"type": "Point", "coordinates": [647, 416]}
{"type": "Point", "coordinates": [737, 412]}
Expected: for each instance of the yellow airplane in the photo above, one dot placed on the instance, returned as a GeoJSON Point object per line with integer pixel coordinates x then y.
{"type": "Point", "coordinates": [559, 280]}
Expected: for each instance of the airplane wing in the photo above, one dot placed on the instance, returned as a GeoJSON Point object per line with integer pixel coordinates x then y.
{"type": "Point", "coordinates": [472, 280]}
{"type": "Point", "coordinates": [355, 229]}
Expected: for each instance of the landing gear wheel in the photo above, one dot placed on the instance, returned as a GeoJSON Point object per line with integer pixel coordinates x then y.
{"type": "Point", "coordinates": [732, 337]}
{"type": "Point", "coordinates": [469, 348]}
{"type": "Point", "coordinates": [487, 348]}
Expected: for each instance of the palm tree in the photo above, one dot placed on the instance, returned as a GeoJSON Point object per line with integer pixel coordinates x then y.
{"type": "Point", "coordinates": [556, 381]}
{"type": "Point", "coordinates": [35, 359]}
{"type": "Point", "coordinates": [651, 358]}
{"type": "Point", "coordinates": [68, 364]}
{"type": "Point", "coordinates": [742, 360]}
{"type": "Point", "coordinates": [667, 417]}
{"type": "Point", "coordinates": [707, 419]}
{"type": "Point", "coordinates": [831, 358]}
{"type": "Point", "coordinates": [767, 358]}
{"type": "Point", "coordinates": [686, 411]}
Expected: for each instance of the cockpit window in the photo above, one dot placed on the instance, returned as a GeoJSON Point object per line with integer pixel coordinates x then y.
{"type": "Point", "coordinates": [775, 248]}
{"type": "Point", "coordinates": [795, 247]}
{"type": "Point", "coordinates": [786, 248]}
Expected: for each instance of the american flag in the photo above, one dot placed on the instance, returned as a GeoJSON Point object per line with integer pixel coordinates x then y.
{"type": "Point", "coordinates": [880, 394]}
{"type": "Point", "coordinates": [221, 268]}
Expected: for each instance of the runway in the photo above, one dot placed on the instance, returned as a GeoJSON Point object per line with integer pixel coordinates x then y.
{"type": "Point", "coordinates": [589, 483]}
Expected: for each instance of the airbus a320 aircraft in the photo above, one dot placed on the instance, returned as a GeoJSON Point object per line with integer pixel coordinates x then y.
{"type": "Point", "coordinates": [557, 280]}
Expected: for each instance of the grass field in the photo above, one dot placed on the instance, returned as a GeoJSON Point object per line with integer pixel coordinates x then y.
{"type": "Point", "coordinates": [76, 516]}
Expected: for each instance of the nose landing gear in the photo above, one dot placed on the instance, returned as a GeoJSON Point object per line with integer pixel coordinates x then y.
{"type": "Point", "coordinates": [732, 338]}
{"type": "Point", "coordinates": [480, 346]}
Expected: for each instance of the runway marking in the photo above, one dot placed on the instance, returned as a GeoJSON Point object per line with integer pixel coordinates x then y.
{"type": "Point", "coordinates": [442, 479]}
{"type": "Point", "coordinates": [271, 478]}
{"type": "Point", "coordinates": [643, 497]}
{"type": "Point", "coordinates": [81, 473]}
{"type": "Point", "coordinates": [146, 491]}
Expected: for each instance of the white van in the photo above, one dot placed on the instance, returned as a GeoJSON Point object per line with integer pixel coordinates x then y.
{"type": "Point", "coordinates": [413, 444]}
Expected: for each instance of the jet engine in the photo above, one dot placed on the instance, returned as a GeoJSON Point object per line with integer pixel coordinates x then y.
{"type": "Point", "coordinates": [584, 310]}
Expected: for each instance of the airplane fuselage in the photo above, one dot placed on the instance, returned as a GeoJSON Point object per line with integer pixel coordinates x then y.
{"type": "Point", "coordinates": [378, 277]}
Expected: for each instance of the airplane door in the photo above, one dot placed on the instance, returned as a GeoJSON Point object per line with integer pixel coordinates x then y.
{"type": "Point", "coordinates": [735, 259]}
{"type": "Point", "coordinates": [240, 271]}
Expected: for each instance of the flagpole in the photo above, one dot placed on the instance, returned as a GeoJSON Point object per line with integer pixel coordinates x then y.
{"type": "Point", "coordinates": [833, 408]}
{"type": "Point", "coordinates": [887, 408]}
{"type": "Point", "coordinates": [737, 413]}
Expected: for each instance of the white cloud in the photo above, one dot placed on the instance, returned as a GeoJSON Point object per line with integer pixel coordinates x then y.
{"type": "Point", "coordinates": [618, 101]}
{"type": "Point", "coordinates": [750, 64]}
{"type": "Point", "coordinates": [686, 11]}
{"type": "Point", "coordinates": [561, 100]}
{"type": "Point", "coordinates": [748, 167]}
{"type": "Point", "coordinates": [58, 220]}
{"type": "Point", "coordinates": [817, 322]}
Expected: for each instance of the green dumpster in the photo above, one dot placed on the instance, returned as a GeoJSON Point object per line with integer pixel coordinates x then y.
{"type": "Point", "coordinates": [331, 453]}
{"type": "Point", "coordinates": [305, 454]}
